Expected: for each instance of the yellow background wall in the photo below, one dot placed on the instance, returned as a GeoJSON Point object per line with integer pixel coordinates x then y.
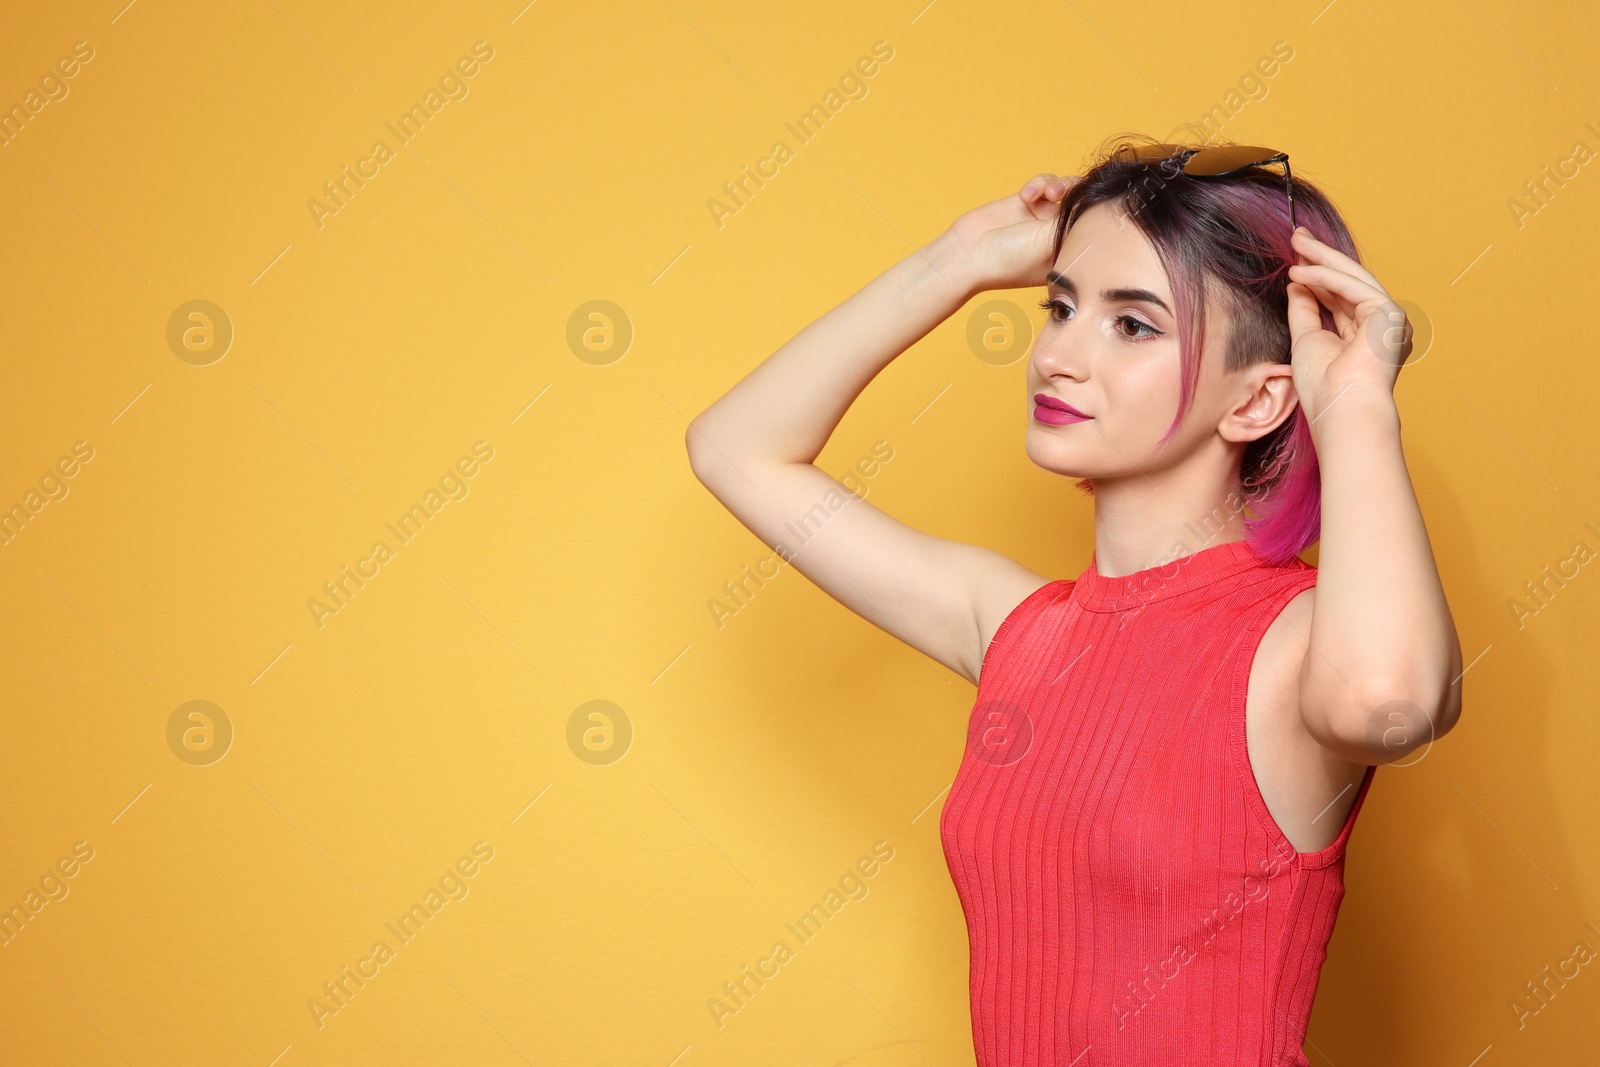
{"type": "Point", "coordinates": [374, 748]}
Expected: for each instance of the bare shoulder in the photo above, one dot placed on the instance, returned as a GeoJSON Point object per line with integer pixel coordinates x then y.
{"type": "Point", "coordinates": [1005, 583]}
{"type": "Point", "coordinates": [1308, 789]}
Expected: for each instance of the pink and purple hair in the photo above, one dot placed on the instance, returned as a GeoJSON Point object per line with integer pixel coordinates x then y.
{"type": "Point", "coordinates": [1229, 235]}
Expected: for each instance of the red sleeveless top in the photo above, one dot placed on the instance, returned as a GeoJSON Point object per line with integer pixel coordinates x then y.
{"type": "Point", "coordinates": [1129, 898]}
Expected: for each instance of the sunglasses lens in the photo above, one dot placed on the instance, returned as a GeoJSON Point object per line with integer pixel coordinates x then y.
{"type": "Point", "coordinates": [1145, 153]}
{"type": "Point", "coordinates": [1226, 159]}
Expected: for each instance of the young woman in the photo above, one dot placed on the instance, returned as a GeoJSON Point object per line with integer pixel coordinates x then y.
{"type": "Point", "coordinates": [1168, 753]}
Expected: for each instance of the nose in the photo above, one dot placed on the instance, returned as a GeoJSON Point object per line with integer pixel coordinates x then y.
{"type": "Point", "coordinates": [1056, 354]}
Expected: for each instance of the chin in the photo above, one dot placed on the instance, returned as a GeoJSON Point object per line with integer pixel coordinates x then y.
{"type": "Point", "coordinates": [1054, 456]}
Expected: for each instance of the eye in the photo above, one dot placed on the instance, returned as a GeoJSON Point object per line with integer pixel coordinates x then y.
{"type": "Point", "coordinates": [1051, 306]}
{"type": "Point", "coordinates": [1140, 329]}
{"type": "Point", "coordinates": [1132, 329]}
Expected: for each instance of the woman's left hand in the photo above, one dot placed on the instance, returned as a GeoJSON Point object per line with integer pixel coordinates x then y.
{"type": "Point", "coordinates": [1373, 338]}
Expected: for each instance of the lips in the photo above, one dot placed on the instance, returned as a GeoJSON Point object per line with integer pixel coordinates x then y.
{"type": "Point", "coordinates": [1047, 401]}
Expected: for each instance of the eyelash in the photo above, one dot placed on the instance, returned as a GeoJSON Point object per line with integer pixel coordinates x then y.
{"type": "Point", "coordinates": [1146, 329]}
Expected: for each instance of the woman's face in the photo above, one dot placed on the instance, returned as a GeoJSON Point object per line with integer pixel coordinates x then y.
{"type": "Point", "coordinates": [1109, 350]}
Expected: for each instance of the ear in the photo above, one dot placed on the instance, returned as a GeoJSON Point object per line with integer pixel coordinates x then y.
{"type": "Point", "coordinates": [1265, 398]}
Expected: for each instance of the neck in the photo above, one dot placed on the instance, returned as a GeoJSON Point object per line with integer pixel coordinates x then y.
{"type": "Point", "coordinates": [1140, 523]}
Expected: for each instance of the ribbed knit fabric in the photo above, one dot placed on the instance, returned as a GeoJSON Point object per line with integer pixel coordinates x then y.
{"type": "Point", "coordinates": [1129, 898]}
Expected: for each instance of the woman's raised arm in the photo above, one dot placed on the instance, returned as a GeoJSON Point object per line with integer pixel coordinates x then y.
{"type": "Point", "coordinates": [754, 447]}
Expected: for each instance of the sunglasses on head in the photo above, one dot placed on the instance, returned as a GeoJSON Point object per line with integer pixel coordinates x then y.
{"type": "Point", "coordinates": [1213, 162]}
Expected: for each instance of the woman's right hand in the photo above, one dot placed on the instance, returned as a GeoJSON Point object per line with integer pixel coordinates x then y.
{"type": "Point", "coordinates": [1009, 242]}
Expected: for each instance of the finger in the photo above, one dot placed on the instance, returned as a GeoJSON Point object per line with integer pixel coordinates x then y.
{"type": "Point", "coordinates": [1379, 319]}
{"type": "Point", "coordinates": [1034, 186]}
{"type": "Point", "coordinates": [1327, 298]}
{"type": "Point", "coordinates": [1304, 314]}
{"type": "Point", "coordinates": [1044, 208]}
{"type": "Point", "coordinates": [1347, 285]}
{"type": "Point", "coordinates": [1336, 304]}
{"type": "Point", "coordinates": [1316, 250]}
{"type": "Point", "coordinates": [1340, 309]}
{"type": "Point", "coordinates": [1047, 188]}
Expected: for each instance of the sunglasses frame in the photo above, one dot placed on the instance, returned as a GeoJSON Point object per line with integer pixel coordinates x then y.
{"type": "Point", "coordinates": [1199, 162]}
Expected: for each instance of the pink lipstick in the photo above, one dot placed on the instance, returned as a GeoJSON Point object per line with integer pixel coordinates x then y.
{"type": "Point", "coordinates": [1054, 412]}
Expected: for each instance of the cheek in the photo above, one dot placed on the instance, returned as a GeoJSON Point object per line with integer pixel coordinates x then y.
{"type": "Point", "coordinates": [1141, 399]}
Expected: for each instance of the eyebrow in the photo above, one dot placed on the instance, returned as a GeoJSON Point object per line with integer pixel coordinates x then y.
{"type": "Point", "coordinates": [1143, 296]}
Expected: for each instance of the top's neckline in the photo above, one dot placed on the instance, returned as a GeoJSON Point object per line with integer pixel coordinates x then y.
{"type": "Point", "coordinates": [1096, 592]}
